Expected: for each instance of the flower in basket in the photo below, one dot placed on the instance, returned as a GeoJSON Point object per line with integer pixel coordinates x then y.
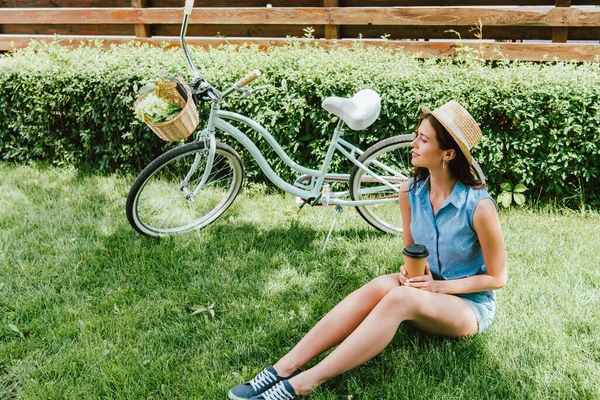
{"type": "Point", "coordinates": [168, 108]}
{"type": "Point", "coordinates": [159, 102]}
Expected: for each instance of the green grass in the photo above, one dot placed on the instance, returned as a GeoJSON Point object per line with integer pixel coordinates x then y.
{"type": "Point", "coordinates": [90, 309]}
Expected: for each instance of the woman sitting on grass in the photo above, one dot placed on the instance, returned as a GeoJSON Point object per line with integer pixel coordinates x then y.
{"type": "Point", "coordinates": [444, 208]}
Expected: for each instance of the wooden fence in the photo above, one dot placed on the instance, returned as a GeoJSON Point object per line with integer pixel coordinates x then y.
{"type": "Point", "coordinates": [527, 30]}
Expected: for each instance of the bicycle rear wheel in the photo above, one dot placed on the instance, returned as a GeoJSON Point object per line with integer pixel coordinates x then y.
{"type": "Point", "coordinates": [391, 160]}
{"type": "Point", "coordinates": [160, 202]}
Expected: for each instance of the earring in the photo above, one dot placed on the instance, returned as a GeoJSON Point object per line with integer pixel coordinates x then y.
{"type": "Point", "coordinates": [444, 164]}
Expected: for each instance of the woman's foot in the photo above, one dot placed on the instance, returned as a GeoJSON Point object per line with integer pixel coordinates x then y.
{"type": "Point", "coordinates": [285, 369]}
{"type": "Point", "coordinates": [262, 382]}
{"type": "Point", "coordinates": [281, 391]}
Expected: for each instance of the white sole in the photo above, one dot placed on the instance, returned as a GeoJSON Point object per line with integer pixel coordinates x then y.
{"type": "Point", "coordinates": [234, 397]}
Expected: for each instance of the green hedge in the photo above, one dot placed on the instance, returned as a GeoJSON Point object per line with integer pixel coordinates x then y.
{"type": "Point", "coordinates": [541, 121]}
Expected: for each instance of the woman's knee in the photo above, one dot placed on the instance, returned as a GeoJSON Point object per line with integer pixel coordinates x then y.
{"type": "Point", "coordinates": [382, 285]}
{"type": "Point", "coordinates": [405, 298]}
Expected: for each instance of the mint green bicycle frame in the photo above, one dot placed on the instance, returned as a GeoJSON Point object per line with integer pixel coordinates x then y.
{"type": "Point", "coordinates": [218, 119]}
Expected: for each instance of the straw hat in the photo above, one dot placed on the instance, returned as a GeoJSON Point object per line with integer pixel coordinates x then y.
{"type": "Point", "coordinates": [460, 124]}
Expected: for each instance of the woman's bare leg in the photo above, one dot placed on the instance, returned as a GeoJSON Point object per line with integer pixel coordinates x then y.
{"type": "Point", "coordinates": [340, 322]}
{"type": "Point", "coordinates": [432, 312]}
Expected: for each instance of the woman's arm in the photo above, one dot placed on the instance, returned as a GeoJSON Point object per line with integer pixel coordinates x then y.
{"type": "Point", "coordinates": [405, 213]}
{"type": "Point", "coordinates": [487, 227]}
{"type": "Point", "coordinates": [406, 234]}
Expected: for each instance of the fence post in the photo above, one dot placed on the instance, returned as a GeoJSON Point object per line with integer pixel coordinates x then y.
{"type": "Point", "coordinates": [141, 30]}
{"type": "Point", "coordinates": [560, 35]}
{"type": "Point", "coordinates": [332, 31]}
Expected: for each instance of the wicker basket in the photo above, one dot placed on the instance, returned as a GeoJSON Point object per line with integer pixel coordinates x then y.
{"type": "Point", "coordinates": [185, 122]}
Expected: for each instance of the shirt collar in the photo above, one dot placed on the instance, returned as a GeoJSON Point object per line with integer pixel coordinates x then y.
{"type": "Point", "coordinates": [425, 184]}
{"type": "Point", "coordinates": [457, 197]}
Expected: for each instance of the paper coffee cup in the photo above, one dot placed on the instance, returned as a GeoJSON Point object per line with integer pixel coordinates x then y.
{"type": "Point", "coordinates": [415, 258]}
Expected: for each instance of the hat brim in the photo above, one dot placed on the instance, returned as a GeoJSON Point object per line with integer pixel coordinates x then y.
{"type": "Point", "coordinates": [457, 139]}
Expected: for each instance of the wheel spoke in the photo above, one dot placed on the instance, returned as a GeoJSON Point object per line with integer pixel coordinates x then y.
{"type": "Point", "coordinates": [160, 206]}
{"type": "Point", "coordinates": [390, 160]}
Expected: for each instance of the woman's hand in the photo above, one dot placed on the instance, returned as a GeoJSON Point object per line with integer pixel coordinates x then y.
{"type": "Point", "coordinates": [402, 276]}
{"type": "Point", "coordinates": [425, 282]}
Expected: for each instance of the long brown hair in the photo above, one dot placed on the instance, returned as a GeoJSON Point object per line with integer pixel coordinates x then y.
{"type": "Point", "coordinates": [458, 166]}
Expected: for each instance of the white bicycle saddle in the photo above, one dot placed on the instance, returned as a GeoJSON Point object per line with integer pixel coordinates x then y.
{"type": "Point", "coordinates": [358, 112]}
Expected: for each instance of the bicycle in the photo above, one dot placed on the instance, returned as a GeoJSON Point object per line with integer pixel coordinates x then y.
{"type": "Point", "coordinates": [192, 185]}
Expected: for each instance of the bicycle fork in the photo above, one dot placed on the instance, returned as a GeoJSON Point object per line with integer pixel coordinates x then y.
{"type": "Point", "coordinates": [209, 137]}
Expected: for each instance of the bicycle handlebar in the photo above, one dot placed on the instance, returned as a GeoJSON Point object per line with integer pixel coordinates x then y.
{"type": "Point", "coordinates": [189, 4]}
{"type": "Point", "coordinates": [250, 76]}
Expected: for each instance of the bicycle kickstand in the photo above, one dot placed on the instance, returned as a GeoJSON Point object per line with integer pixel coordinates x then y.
{"type": "Point", "coordinates": [338, 211]}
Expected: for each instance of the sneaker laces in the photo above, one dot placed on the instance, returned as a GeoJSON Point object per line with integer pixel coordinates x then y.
{"type": "Point", "coordinates": [278, 392]}
{"type": "Point", "coordinates": [263, 379]}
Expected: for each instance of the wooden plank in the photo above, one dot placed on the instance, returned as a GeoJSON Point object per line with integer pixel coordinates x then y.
{"type": "Point", "coordinates": [62, 3]}
{"type": "Point", "coordinates": [456, 3]}
{"type": "Point", "coordinates": [468, 16]}
{"type": "Point", "coordinates": [279, 16]}
{"type": "Point", "coordinates": [238, 3]}
{"type": "Point", "coordinates": [283, 3]}
{"type": "Point", "coordinates": [521, 51]}
{"type": "Point", "coordinates": [332, 31]}
{"type": "Point", "coordinates": [464, 16]}
{"type": "Point", "coordinates": [561, 35]}
{"type": "Point", "coordinates": [154, 3]}
{"type": "Point", "coordinates": [292, 16]}
{"type": "Point", "coordinates": [141, 30]}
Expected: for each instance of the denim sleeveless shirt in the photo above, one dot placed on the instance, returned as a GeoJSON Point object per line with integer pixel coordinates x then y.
{"type": "Point", "coordinates": [454, 249]}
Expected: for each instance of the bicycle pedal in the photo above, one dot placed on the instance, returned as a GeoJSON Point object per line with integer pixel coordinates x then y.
{"type": "Point", "coordinates": [325, 195]}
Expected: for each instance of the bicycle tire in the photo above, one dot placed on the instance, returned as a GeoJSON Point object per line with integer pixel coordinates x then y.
{"type": "Point", "coordinates": [395, 153]}
{"type": "Point", "coordinates": [157, 204]}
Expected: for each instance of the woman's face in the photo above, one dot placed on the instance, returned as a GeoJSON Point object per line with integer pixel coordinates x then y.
{"type": "Point", "coordinates": [426, 150]}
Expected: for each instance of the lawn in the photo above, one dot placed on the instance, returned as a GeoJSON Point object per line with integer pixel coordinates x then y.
{"type": "Point", "coordinates": [90, 309]}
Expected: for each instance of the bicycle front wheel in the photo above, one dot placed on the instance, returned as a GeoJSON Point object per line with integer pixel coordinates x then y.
{"type": "Point", "coordinates": [165, 197]}
{"type": "Point", "coordinates": [389, 159]}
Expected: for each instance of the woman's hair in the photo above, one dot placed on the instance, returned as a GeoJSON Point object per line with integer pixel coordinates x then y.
{"type": "Point", "coordinates": [458, 166]}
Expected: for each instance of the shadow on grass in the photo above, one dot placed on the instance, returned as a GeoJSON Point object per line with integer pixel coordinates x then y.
{"type": "Point", "coordinates": [278, 271]}
{"type": "Point", "coordinates": [224, 236]}
{"type": "Point", "coordinates": [240, 248]}
{"type": "Point", "coordinates": [419, 365]}
{"type": "Point", "coordinates": [70, 255]}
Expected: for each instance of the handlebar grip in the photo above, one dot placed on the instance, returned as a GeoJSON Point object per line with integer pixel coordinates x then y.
{"type": "Point", "coordinates": [250, 76]}
{"type": "Point", "coordinates": [189, 4]}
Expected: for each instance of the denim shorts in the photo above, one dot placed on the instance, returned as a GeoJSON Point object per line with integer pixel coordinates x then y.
{"type": "Point", "coordinates": [483, 305]}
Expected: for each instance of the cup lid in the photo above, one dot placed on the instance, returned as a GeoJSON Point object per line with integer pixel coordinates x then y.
{"type": "Point", "coordinates": [415, 251]}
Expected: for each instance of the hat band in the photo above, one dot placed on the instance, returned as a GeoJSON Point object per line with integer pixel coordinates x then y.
{"type": "Point", "coordinates": [452, 127]}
